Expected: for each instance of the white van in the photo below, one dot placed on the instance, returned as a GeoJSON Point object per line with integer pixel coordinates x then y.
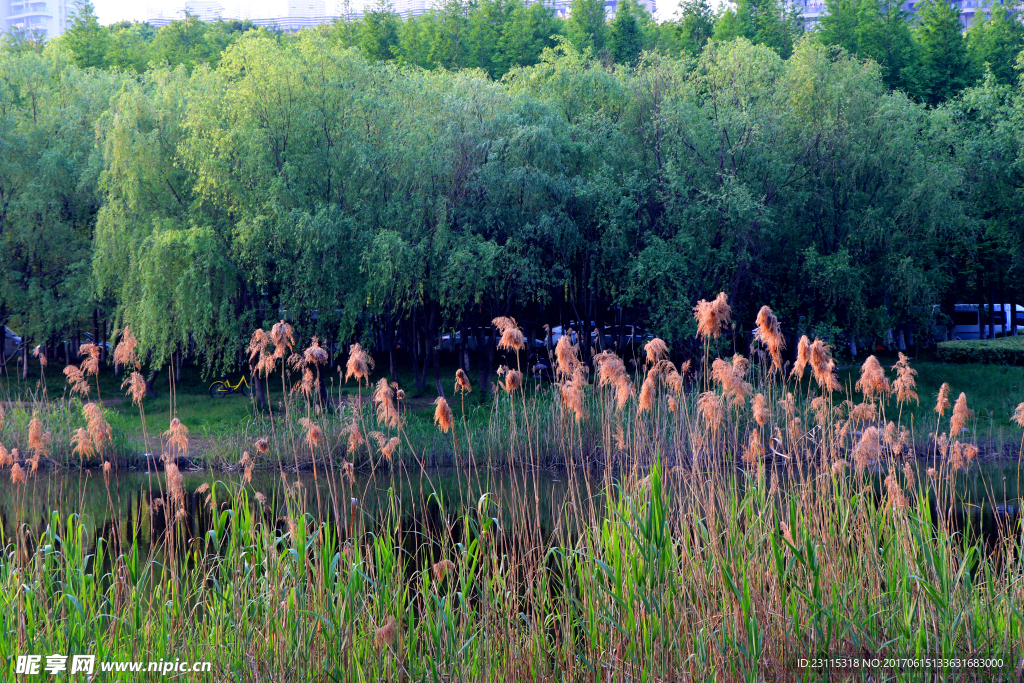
{"type": "Point", "coordinates": [968, 320]}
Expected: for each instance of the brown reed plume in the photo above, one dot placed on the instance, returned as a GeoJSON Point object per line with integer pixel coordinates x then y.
{"type": "Point", "coordinates": [754, 452]}
{"type": "Point", "coordinates": [82, 444]}
{"type": "Point", "coordinates": [759, 408]}
{"type": "Point", "coordinates": [136, 387]}
{"type": "Point", "coordinates": [315, 354]}
{"type": "Point", "coordinates": [177, 437]}
{"type": "Point", "coordinates": [905, 385]}
{"type": "Point", "coordinates": [17, 474]}
{"type": "Point", "coordinates": [513, 379]}
{"type": "Point", "coordinates": [6, 459]}
{"type": "Point", "coordinates": [384, 400]}
{"type": "Point", "coordinates": [769, 333]}
{"type": "Point", "coordinates": [712, 316]}
{"type": "Point", "coordinates": [823, 366]}
{"type": "Point", "coordinates": [387, 446]}
{"type": "Point", "coordinates": [867, 449]}
{"type": "Point", "coordinates": [961, 414]}
{"type": "Point", "coordinates": [803, 357]}
{"type": "Point", "coordinates": [443, 414]}
{"type": "Point", "coordinates": [571, 393]}
{"type": "Point", "coordinates": [77, 381]}
{"type": "Point", "coordinates": [38, 440]}
{"type": "Point", "coordinates": [1018, 415]}
{"type": "Point", "coordinates": [873, 382]}
{"type": "Point", "coordinates": [896, 499]}
{"type": "Point", "coordinates": [961, 455]}
{"type": "Point", "coordinates": [174, 484]}
{"type": "Point", "coordinates": [259, 345]}
{"type": "Point", "coordinates": [462, 384]}
{"type": "Point", "coordinates": [942, 400]}
{"type": "Point", "coordinates": [611, 372]}
{"type": "Point", "coordinates": [730, 376]}
{"type": "Point", "coordinates": [355, 438]}
{"type": "Point", "coordinates": [314, 435]}
{"type": "Point", "coordinates": [262, 446]}
{"type": "Point", "coordinates": [441, 569]}
{"type": "Point", "coordinates": [283, 339]}
{"type": "Point", "coordinates": [91, 353]}
{"type": "Point", "coordinates": [386, 635]}
{"type": "Point", "coordinates": [711, 410]}
{"type": "Point", "coordinates": [655, 350]}
{"type": "Point", "coordinates": [40, 355]}
{"type": "Point", "coordinates": [566, 357]}
{"type": "Point", "coordinates": [246, 464]}
{"type": "Point", "coordinates": [863, 412]}
{"type": "Point", "coordinates": [512, 338]}
{"type": "Point", "coordinates": [359, 364]}
{"type": "Point", "coordinates": [99, 428]}
{"type": "Point", "coordinates": [125, 354]}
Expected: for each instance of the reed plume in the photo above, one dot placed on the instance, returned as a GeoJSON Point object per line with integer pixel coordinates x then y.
{"type": "Point", "coordinates": [246, 464]}
{"type": "Point", "coordinates": [905, 385]}
{"type": "Point", "coordinates": [823, 367]}
{"type": "Point", "coordinates": [712, 316]}
{"type": "Point", "coordinates": [759, 408]}
{"type": "Point", "coordinates": [17, 474]}
{"type": "Point", "coordinates": [1018, 415]}
{"type": "Point", "coordinates": [259, 345]}
{"type": "Point", "coordinates": [77, 380]}
{"type": "Point", "coordinates": [177, 436]}
{"type": "Point", "coordinates": [315, 354]}
{"type": "Point", "coordinates": [443, 414]}
{"type": "Point", "coordinates": [355, 438]}
{"type": "Point", "coordinates": [873, 382]}
{"type": "Point", "coordinates": [314, 435]}
{"type": "Point", "coordinates": [769, 333]}
{"type": "Point", "coordinates": [730, 376]}
{"type": "Point", "coordinates": [571, 392]}
{"type": "Point", "coordinates": [136, 387]}
{"type": "Point", "coordinates": [511, 336]}
{"type": "Point", "coordinates": [282, 338]}
{"type": "Point", "coordinates": [40, 354]}
{"type": "Point", "coordinates": [383, 399]}
{"type": "Point", "coordinates": [655, 350]}
{"type": "Point", "coordinates": [566, 357]}
{"type": "Point", "coordinates": [711, 410]}
{"type": "Point", "coordinates": [862, 412]}
{"type": "Point", "coordinates": [462, 384]}
{"type": "Point", "coordinates": [386, 634]}
{"type": "Point", "coordinates": [389, 448]}
{"type": "Point", "coordinates": [961, 414]}
{"type": "Point", "coordinates": [99, 428]}
{"type": "Point", "coordinates": [6, 459]}
{"type": "Point", "coordinates": [38, 440]}
{"type": "Point", "coordinates": [895, 493]}
{"type": "Point", "coordinates": [611, 371]}
{"type": "Point", "coordinates": [513, 379]}
{"type": "Point", "coordinates": [174, 484]}
{"type": "Point", "coordinates": [359, 364]}
{"type": "Point", "coordinates": [942, 400]}
{"type": "Point", "coordinates": [125, 353]}
{"type": "Point", "coordinates": [91, 353]}
{"type": "Point", "coordinates": [803, 357]}
{"type": "Point", "coordinates": [262, 446]}
{"type": "Point", "coordinates": [646, 399]}
{"type": "Point", "coordinates": [441, 569]}
{"type": "Point", "coordinates": [82, 444]}
{"type": "Point", "coordinates": [867, 449]}
{"type": "Point", "coordinates": [350, 473]}
{"type": "Point", "coordinates": [754, 451]}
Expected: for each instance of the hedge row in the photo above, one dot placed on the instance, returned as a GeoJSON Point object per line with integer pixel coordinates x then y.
{"type": "Point", "coordinates": [1002, 351]}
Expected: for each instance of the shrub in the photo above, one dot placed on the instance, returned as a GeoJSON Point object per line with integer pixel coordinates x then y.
{"type": "Point", "coordinates": [1002, 351]}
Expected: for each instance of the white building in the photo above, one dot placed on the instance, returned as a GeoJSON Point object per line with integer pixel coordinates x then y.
{"type": "Point", "coordinates": [40, 18]}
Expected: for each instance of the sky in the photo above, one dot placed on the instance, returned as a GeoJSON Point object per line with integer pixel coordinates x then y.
{"type": "Point", "coordinates": [110, 11]}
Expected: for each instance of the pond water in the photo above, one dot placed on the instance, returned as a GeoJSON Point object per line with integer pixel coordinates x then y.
{"type": "Point", "coordinates": [425, 500]}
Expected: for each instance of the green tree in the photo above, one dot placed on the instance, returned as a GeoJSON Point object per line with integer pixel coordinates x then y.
{"type": "Point", "coordinates": [763, 22]}
{"type": "Point", "coordinates": [690, 31]}
{"type": "Point", "coordinates": [378, 32]}
{"type": "Point", "coordinates": [587, 28]}
{"type": "Point", "coordinates": [86, 39]}
{"type": "Point", "coordinates": [945, 67]}
{"type": "Point", "coordinates": [625, 33]}
{"type": "Point", "coordinates": [994, 42]}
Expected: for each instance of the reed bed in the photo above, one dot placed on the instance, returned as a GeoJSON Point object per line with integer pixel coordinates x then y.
{"type": "Point", "coordinates": [724, 520]}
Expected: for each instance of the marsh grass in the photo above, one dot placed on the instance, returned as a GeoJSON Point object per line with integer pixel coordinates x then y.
{"type": "Point", "coordinates": [721, 530]}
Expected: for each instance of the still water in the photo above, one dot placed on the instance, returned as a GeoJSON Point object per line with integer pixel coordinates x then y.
{"type": "Point", "coordinates": [132, 502]}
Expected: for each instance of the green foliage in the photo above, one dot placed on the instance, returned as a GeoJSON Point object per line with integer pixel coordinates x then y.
{"type": "Point", "coordinates": [993, 42]}
{"type": "Point", "coordinates": [586, 28]}
{"type": "Point", "coordinates": [945, 67]}
{"type": "Point", "coordinates": [1001, 351]}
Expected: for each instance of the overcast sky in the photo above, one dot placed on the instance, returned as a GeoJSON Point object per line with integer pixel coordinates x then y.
{"type": "Point", "coordinates": [110, 11]}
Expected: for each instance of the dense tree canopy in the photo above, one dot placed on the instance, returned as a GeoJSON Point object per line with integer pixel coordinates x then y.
{"type": "Point", "coordinates": [342, 179]}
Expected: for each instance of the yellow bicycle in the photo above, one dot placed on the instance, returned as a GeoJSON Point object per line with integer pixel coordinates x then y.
{"type": "Point", "coordinates": [222, 388]}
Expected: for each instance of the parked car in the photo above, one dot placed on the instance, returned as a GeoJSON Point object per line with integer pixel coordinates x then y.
{"type": "Point", "coordinates": [12, 343]}
{"type": "Point", "coordinates": [969, 318]}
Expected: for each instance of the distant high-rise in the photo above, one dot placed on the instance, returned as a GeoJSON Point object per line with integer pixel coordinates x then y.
{"type": "Point", "coordinates": [39, 18]}
{"type": "Point", "coordinates": [813, 10]}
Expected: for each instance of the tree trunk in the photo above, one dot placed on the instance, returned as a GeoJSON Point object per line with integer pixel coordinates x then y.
{"type": "Point", "coordinates": [259, 389]}
{"type": "Point", "coordinates": [434, 341]}
{"type": "Point", "coordinates": [463, 346]}
{"type": "Point", "coordinates": [482, 366]}
{"type": "Point", "coordinates": [150, 389]}
{"type": "Point", "coordinates": [24, 358]}
{"type": "Point", "coordinates": [420, 378]}
{"type": "Point", "coordinates": [1013, 311]}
